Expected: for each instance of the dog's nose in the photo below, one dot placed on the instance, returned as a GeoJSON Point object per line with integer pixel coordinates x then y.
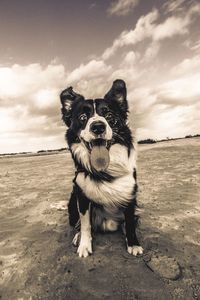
{"type": "Point", "coordinates": [98, 127]}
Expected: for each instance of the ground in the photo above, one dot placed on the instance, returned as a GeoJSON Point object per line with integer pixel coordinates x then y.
{"type": "Point", "coordinates": [37, 260]}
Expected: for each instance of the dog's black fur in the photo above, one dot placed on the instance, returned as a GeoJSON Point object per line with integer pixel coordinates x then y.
{"type": "Point", "coordinates": [108, 127]}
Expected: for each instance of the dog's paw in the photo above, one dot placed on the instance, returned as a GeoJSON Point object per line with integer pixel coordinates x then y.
{"type": "Point", "coordinates": [76, 239]}
{"type": "Point", "coordinates": [85, 247]}
{"type": "Point", "coordinates": [135, 250]}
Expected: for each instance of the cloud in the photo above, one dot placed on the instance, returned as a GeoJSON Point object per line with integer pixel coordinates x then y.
{"type": "Point", "coordinates": [181, 91]}
{"type": "Point", "coordinates": [122, 7]}
{"type": "Point", "coordinates": [176, 25]}
{"type": "Point", "coordinates": [193, 45]}
{"type": "Point", "coordinates": [146, 27]}
{"type": "Point", "coordinates": [173, 5]}
{"type": "Point", "coordinates": [172, 26]}
{"type": "Point", "coordinates": [168, 109]}
{"type": "Point", "coordinates": [196, 45]}
{"type": "Point", "coordinates": [128, 69]}
{"type": "Point", "coordinates": [130, 58]}
{"type": "Point", "coordinates": [31, 121]}
{"type": "Point", "coordinates": [92, 69]}
{"type": "Point", "coordinates": [187, 66]}
{"type": "Point", "coordinates": [21, 81]}
{"type": "Point", "coordinates": [30, 105]}
{"type": "Point", "coordinates": [143, 29]}
{"type": "Point", "coordinates": [29, 100]}
{"type": "Point", "coordinates": [162, 122]}
{"type": "Point", "coordinates": [89, 78]}
{"type": "Point", "coordinates": [163, 94]}
{"type": "Point", "coordinates": [21, 131]}
{"type": "Point", "coordinates": [151, 52]}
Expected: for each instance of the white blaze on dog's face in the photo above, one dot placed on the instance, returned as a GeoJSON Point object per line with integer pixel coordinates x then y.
{"type": "Point", "coordinates": [96, 127]}
{"type": "Point", "coordinates": [95, 124]}
{"type": "Point", "coordinates": [96, 135]}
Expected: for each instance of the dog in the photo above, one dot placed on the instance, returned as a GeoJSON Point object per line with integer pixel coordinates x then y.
{"type": "Point", "coordinates": [105, 183]}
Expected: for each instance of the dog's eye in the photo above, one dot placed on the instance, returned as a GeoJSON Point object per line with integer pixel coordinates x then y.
{"type": "Point", "coordinates": [109, 116]}
{"type": "Point", "coordinates": [83, 117]}
{"type": "Point", "coordinates": [104, 110]}
{"type": "Point", "coordinates": [111, 119]}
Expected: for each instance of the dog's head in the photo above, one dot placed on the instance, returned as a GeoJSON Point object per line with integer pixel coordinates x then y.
{"type": "Point", "coordinates": [96, 124]}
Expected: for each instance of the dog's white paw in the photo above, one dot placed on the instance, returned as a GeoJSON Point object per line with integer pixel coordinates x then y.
{"type": "Point", "coordinates": [135, 250]}
{"type": "Point", "coordinates": [85, 247]}
{"type": "Point", "coordinates": [76, 239]}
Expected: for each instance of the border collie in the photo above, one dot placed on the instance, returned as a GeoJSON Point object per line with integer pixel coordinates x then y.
{"type": "Point", "coordinates": [105, 186]}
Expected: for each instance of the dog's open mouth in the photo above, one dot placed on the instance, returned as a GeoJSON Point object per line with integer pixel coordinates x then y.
{"type": "Point", "coordinates": [99, 153]}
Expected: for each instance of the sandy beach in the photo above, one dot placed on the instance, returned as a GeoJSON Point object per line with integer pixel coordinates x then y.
{"type": "Point", "coordinates": [38, 261]}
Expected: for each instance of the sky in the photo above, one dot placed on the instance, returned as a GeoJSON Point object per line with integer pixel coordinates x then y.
{"type": "Point", "coordinates": [48, 45]}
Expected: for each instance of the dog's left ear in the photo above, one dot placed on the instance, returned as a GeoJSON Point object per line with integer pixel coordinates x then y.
{"type": "Point", "coordinates": [118, 93]}
{"type": "Point", "coordinates": [67, 97]}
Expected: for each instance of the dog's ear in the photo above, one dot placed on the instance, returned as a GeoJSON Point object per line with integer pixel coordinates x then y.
{"type": "Point", "coordinates": [67, 97]}
{"type": "Point", "coordinates": [118, 93]}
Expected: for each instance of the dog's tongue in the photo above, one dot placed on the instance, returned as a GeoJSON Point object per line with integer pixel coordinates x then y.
{"type": "Point", "coordinates": [100, 158]}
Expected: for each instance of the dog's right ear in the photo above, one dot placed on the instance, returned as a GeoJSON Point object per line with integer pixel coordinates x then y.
{"type": "Point", "coordinates": [67, 97]}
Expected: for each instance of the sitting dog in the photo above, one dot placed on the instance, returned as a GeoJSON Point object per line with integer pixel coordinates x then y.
{"type": "Point", "coordinates": [101, 145]}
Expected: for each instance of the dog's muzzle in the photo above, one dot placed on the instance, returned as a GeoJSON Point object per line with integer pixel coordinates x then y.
{"type": "Point", "coordinates": [97, 127]}
{"type": "Point", "coordinates": [97, 137]}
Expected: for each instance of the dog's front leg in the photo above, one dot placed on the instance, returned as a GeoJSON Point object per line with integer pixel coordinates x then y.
{"type": "Point", "coordinates": [133, 246]}
{"type": "Point", "coordinates": [85, 246]}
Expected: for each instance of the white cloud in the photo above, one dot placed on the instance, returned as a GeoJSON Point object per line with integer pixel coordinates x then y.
{"type": "Point", "coordinates": [168, 109]}
{"type": "Point", "coordinates": [192, 45]}
{"type": "Point", "coordinates": [127, 69]}
{"type": "Point", "coordinates": [176, 25]}
{"type": "Point", "coordinates": [146, 27]}
{"type": "Point", "coordinates": [173, 5]}
{"type": "Point", "coordinates": [130, 58]}
{"type": "Point", "coordinates": [187, 66]}
{"type": "Point", "coordinates": [45, 98]}
{"type": "Point", "coordinates": [163, 122]}
{"type": "Point", "coordinates": [20, 142]}
{"type": "Point", "coordinates": [131, 73]}
{"type": "Point", "coordinates": [29, 104]}
{"type": "Point", "coordinates": [196, 45]}
{"type": "Point", "coordinates": [92, 69]}
{"type": "Point", "coordinates": [181, 91]}
{"type": "Point", "coordinates": [21, 131]}
{"type": "Point", "coordinates": [172, 26]}
{"type": "Point", "coordinates": [89, 79]}
{"type": "Point", "coordinates": [92, 88]}
{"type": "Point", "coordinates": [143, 29]}
{"type": "Point", "coordinates": [122, 7]}
{"type": "Point", "coordinates": [19, 81]}
{"type": "Point", "coordinates": [151, 52]}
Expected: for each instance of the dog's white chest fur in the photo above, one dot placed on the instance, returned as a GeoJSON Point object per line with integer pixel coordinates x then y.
{"type": "Point", "coordinates": [120, 190]}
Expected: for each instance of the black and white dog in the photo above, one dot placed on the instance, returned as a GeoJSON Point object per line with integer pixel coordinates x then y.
{"type": "Point", "coordinates": [101, 145]}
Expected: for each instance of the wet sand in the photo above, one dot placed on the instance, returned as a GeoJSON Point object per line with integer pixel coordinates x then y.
{"type": "Point", "coordinates": [37, 260]}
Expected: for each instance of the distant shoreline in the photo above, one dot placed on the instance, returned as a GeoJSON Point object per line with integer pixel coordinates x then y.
{"type": "Point", "coordinates": [61, 150]}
